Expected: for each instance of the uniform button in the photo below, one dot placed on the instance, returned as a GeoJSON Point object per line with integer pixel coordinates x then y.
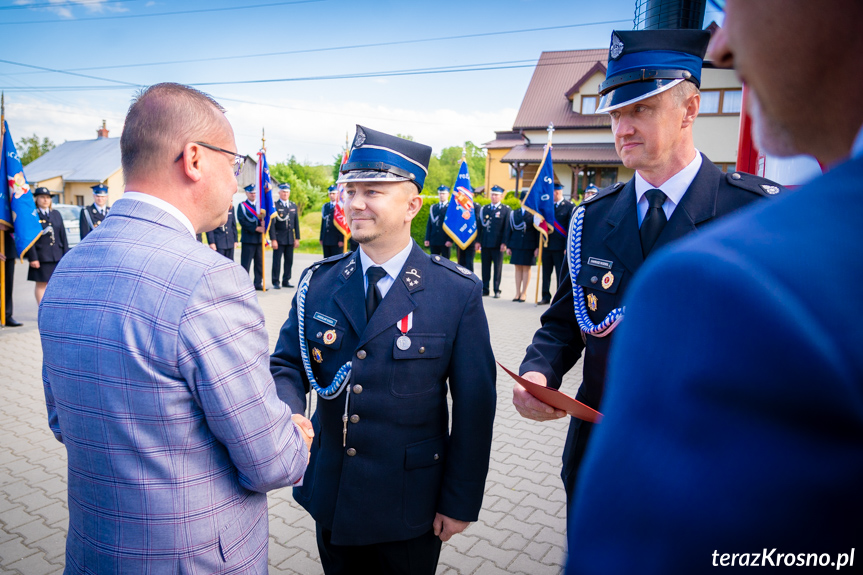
{"type": "Point", "coordinates": [355, 418]}
{"type": "Point", "coordinates": [320, 334]}
{"type": "Point", "coordinates": [436, 456]}
{"type": "Point", "coordinates": [361, 354]}
{"type": "Point", "coordinates": [422, 350]}
{"type": "Point", "coordinates": [358, 389]}
{"type": "Point", "coordinates": [594, 279]}
{"type": "Point", "coordinates": [735, 176]}
{"type": "Point", "coordinates": [351, 451]}
{"type": "Point", "coordinates": [437, 258]}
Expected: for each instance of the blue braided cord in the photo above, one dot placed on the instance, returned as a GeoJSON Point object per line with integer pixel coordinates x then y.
{"type": "Point", "coordinates": [584, 322]}
{"type": "Point", "coordinates": [343, 375]}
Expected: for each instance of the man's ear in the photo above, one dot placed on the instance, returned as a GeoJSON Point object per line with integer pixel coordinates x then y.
{"type": "Point", "coordinates": [414, 204]}
{"type": "Point", "coordinates": [192, 162]}
{"type": "Point", "coordinates": [691, 110]}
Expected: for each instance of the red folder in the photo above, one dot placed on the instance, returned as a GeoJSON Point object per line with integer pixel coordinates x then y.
{"type": "Point", "coordinates": [557, 399]}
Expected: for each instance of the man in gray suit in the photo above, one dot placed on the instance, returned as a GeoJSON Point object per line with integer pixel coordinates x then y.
{"type": "Point", "coordinates": [156, 364]}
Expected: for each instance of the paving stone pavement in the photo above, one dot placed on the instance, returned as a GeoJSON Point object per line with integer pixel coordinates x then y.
{"type": "Point", "coordinates": [521, 528]}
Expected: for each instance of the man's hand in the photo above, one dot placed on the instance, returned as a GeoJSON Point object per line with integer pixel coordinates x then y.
{"type": "Point", "coordinates": [445, 527]}
{"type": "Point", "coordinates": [448, 244]}
{"type": "Point", "coordinates": [536, 252]}
{"type": "Point", "coordinates": [2, 257]}
{"type": "Point", "coordinates": [296, 243]}
{"type": "Point", "coordinates": [477, 247]}
{"type": "Point", "coordinates": [259, 229]}
{"type": "Point", "coordinates": [306, 429]}
{"type": "Point", "coordinates": [275, 245]}
{"type": "Point", "coordinates": [426, 243]}
{"type": "Point", "coordinates": [213, 247]}
{"type": "Point", "coordinates": [34, 264]}
{"type": "Point", "coordinates": [508, 251]}
{"type": "Point", "coordinates": [530, 407]}
{"type": "Point", "coordinates": [341, 244]}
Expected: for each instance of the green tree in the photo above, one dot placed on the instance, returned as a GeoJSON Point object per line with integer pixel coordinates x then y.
{"type": "Point", "coordinates": [30, 148]}
{"type": "Point", "coordinates": [309, 182]}
{"type": "Point", "coordinates": [443, 168]}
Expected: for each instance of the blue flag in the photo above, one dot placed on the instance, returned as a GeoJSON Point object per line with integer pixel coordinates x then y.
{"type": "Point", "coordinates": [265, 190]}
{"type": "Point", "coordinates": [460, 220]}
{"type": "Point", "coordinates": [17, 206]}
{"type": "Point", "coordinates": [540, 198]}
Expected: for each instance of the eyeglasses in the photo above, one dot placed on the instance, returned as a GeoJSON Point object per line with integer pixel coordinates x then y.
{"type": "Point", "coordinates": [238, 159]}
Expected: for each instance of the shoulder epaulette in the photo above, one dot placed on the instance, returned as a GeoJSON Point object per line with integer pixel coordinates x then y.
{"type": "Point", "coordinates": [612, 189]}
{"type": "Point", "coordinates": [754, 184]}
{"type": "Point", "coordinates": [331, 259]}
{"type": "Point", "coordinates": [455, 268]}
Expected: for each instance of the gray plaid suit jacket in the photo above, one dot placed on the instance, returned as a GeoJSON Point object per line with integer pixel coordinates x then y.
{"type": "Point", "coordinates": [156, 377]}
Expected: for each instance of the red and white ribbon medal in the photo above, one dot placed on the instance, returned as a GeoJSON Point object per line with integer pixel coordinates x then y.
{"type": "Point", "coordinates": [405, 324]}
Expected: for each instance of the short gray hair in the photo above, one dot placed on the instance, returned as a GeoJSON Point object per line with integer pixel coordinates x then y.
{"type": "Point", "coordinates": [683, 91]}
{"type": "Point", "coordinates": [161, 120]}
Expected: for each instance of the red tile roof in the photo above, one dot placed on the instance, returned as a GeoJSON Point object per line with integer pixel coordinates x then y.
{"type": "Point", "coordinates": [546, 98]}
{"type": "Point", "coordinates": [566, 154]}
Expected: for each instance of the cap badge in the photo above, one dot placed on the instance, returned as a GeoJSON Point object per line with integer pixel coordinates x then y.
{"type": "Point", "coordinates": [316, 355]}
{"type": "Point", "coordinates": [772, 190]}
{"type": "Point", "coordinates": [591, 301]}
{"type": "Point", "coordinates": [360, 138]}
{"type": "Point", "coordinates": [607, 280]}
{"type": "Point", "coordinates": [616, 47]}
{"type": "Point", "coordinates": [330, 336]}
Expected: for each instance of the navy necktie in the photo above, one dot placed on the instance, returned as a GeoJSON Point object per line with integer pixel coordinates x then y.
{"type": "Point", "coordinates": [654, 220]}
{"type": "Point", "coordinates": [373, 294]}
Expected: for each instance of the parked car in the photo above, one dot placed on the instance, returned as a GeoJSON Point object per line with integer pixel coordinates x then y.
{"type": "Point", "coordinates": [71, 220]}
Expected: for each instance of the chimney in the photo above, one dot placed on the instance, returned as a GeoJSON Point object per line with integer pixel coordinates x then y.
{"type": "Point", "coordinates": [103, 131]}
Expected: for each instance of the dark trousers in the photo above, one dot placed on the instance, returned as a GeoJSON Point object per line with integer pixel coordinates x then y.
{"type": "Point", "coordinates": [256, 252]}
{"type": "Point", "coordinates": [465, 257]}
{"type": "Point", "coordinates": [440, 251]}
{"type": "Point", "coordinates": [10, 271]}
{"type": "Point", "coordinates": [551, 259]}
{"type": "Point", "coordinates": [573, 452]}
{"type": "Point", "coordinates": [330, 251]}
{"type": "Point", "coordinates": [417, 556]}
{"type": "Point", "coordinates": [228, 253]}
{"type": "Point", "coordinates": [285, 251]}
{"type": "Point", "coordinates": [491, 256]}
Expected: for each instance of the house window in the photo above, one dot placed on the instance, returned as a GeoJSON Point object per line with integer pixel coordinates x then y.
{"type": "Point", "coordinates": [721, 101]}
{"type": "Point", "coordinates": [588, 104]}
{"type": "Point", "coordinates": [607, 177]}
{"type": "Point", "coordinates": [79, 200]}
{"type": "Point", "coordinates": [727, 167]}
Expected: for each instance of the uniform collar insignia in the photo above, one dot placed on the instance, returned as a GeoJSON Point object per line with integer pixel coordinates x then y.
{"type": "Point", "coordinates": [350, 268]}
{"type": "Point", "coordinates": [412, 278]}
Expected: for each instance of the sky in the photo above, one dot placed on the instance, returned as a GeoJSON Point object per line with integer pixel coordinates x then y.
{"type": "Point", "coordinates": [284, 67]}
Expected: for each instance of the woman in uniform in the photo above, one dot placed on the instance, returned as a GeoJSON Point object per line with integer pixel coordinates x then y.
{"type": "Point", "coordinates": [522, 244]}
{"type": "Point", "coordinates": [51, 245]}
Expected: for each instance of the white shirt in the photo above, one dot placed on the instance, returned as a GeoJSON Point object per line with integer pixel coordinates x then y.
{"type": "Point", "coordinates": [673, 189]}
{"type": "Point", "coordinates": [162, 205]}
{"type": "Point", "coordinates": [392, 266]}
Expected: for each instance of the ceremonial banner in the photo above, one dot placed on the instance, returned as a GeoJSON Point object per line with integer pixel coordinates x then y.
{"type": "Point", "coordinates": [17, 206]}
{"type": "Point", "coordinates": [339, 219]}
{"type": "Point", "coordinates": [540, 199]}
{"type": "Point", "coordinates": [264, 201]}
{"type": "Point", "coordinates": [460, 220]}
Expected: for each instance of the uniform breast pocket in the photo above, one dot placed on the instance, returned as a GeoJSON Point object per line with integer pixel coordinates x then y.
{"type": "Point", "coordinates": [323, 334]}
{"type": "Point", "coordinates": [602, 287]}
{"type": "Point", "coordinates": [418, 366]}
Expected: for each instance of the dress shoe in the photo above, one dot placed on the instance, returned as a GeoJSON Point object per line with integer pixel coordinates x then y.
{"type": "Point", "coordinates": [485, 294]}
{"type": "Point", "coordinates": [544, 301]}
{"type": "Point", "coordinates": [259, 288]}
{"type": "Point", "coordinates": [515, 299]}
{"type": "Point", "coordinates": [522, 300]}
{"type": "Point", "coordinates": [289, 284]}
{"type": "Point", "coordinates": [497, 295]}
{"type": "Point", "coordinates": [277, 286]}
{"type": "Point", "coordinates": [10, 322]}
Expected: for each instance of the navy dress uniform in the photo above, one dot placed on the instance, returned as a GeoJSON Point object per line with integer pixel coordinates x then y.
{"type": "Point", "coordinates": [612, 238]}
{"type": "Point", "coordinates": [492, 223]}
{"type": "Point", "coordinates": [521, 237]}
{"type": "Point", "coordinates": [285, 229]}
{"type": "Point", "coordinates": [251, 240]}
{"type": "Point", "coordinates": [11, 253]}
{"type": "Point", "coordinates": [385, 458]}
{"type": "Point", "coordinates": [330, 234]}
{"type": "Point", "coordinates": [51, 246]}
{"type": "Point", "coordinates": [225, 236]}
{"type": "Point", "coordinates": [435, 234]}
{"type": "Point", "coordinates": [93, 215]}
{"type": "Point", "coordinates": [552, 254]}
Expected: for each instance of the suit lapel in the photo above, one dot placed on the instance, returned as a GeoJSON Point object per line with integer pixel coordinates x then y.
{"type": "Point", "coordinates": [698, 204]}
{"type": "Point", "coordinates": [623, 239]}
{"type": "Point", "coordinates": [350, 296]}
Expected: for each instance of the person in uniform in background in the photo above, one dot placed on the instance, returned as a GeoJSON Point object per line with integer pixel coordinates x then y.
{"type": "Point", "coordinates": [521, 242]}
{"type": "Point", "coordinates": [388, 481]}
{"type": "Point", "coordinates": [492, 223]}
{"type": "Point", "coordinates": [285, 235]}
{"type": "Point", "coordinates": [553, 253]}
{"type": "Point", "coordinates": [676, 190]}
{"type": "Point", "coordinates": [252, 237]}
{"type": "Point", "coordinates": [738, 367]}
{"type": "Point", "coordinates": [465, 257]}
{"type": "Point", "coordinates": [437, 240]}
{"type": "Point", "coordinates": [51, 245]}
{"type": "Point", "coordinates": [92, 215]}
{"type": "Point", "coordinates": [590, 191]}
{"type": "Point", "coordinates": [332, 240]}
{"type": "Point", "coordinates": [8, 259]}
{"type": "Point", "coordinates": [224, 238]}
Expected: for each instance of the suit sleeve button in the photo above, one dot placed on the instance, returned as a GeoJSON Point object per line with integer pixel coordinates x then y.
{"type": "Point", "coordinates": [351, 452]}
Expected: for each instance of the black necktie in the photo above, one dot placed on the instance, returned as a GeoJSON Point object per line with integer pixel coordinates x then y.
{"type": "Point", "coordinates": [373, 294]}
{"type": "Point", "coordinates": [654, 220]}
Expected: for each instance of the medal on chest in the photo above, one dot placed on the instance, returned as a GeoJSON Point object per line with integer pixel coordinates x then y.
{"type": "Point", "coordinates": [405, 324]}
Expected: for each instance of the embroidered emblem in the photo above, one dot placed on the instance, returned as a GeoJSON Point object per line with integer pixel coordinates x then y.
{"type": "Point", "coordinates": [616, 47]}
{"type": "Point", "coordinates": [607, 280]}
{"type": "Point", "coordinates": [360, 139]}
{"type": "Point", "coordinates": [772, 190]}
{"type": "Point", "coordinates": [316, 355]}
{"type": "Point", "coordinates": [591, 302]}
{"type": "Point", "coordinates": [330, 336]}
{"type": "Point", "coordinates": [412, 278]}
{"type": "Point", "coordinates": [349, 269]}
{"type": "Point", "coordinates": [465, 271]}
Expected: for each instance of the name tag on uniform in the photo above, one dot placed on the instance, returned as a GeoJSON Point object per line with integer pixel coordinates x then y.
{"type": "Point", "coordinates": [600, 263]}
{"type": "Point", "coordinates": [326, 319]}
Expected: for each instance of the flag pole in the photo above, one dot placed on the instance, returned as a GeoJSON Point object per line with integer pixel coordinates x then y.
{"type": "Point", "coordinates": [261, 213]}
{"type": "Point", "coordinates": [3, 231]}
{"type": "Point", "coordinates": [550, 129]}
{"type": "Point", "coordinates": [344, 235]}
